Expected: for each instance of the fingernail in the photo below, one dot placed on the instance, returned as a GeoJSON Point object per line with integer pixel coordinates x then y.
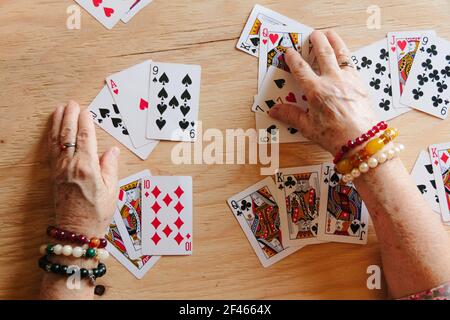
{"type": "Point", "coordinates": [116, 151]}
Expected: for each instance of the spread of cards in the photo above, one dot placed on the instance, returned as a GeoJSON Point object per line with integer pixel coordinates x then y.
{"type": "Point", "coordinates": [307, 205]}
{"type": "Point", "coordinates": [109, 12]}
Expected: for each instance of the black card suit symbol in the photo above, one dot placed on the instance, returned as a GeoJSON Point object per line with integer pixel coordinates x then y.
{"type": "Point", "coordinates": [280, 83]}
{"type": "Point", "coordinates": [314, 229]}
{"type": "Point", "coordinates": [385, 104]}
{"type": "Point", "coordinates": [363, 225]}
{"type": "Point", "coordinates": [115, 108]}
{"type": "Point", "coordinates": [255, 42]}
{"type": "Point", "coordinates": [124, 131]}
{"type": "Point", "coordinates": [162, 94]}
{"type": "Point", "coordinates": [186, 80]}
{"type": "Point", "coordinates": [422, 188]}
{"type": "Point", "coordinates": [325, 180]}
{"type": "Point", "coordinates": [437, 100]}
{"type": "Point", "coordinates": [437, 198]}
{"type": "Point", "coordinates": [183, 124]}
{"type": "Point", "coordinates": [289, 182]}
{"type": "Point", "coordinates": [335, 178]}
{"type": "Point", "coordinates": [100, 120]}
{"type": "Point", "coordinates": [192, 123]}
{"type": "Point", "coordinates": [174, 102]}
{"type": "Point", "coordinates": [184, 110]}
{"type": "Point", "coordinates": [245, 205]}
{"type": "Point", "coordinates": [429, 168]}
{"type": "Point", "coordinates": [239, 213]}
{"type": "Point", "coordinates": [270, 103]}
{"type": "Point", "coordinates": [163, 79]}
{"type": "Point", "coordinates": [104, 112]}
{"type": "Point", "coordinates": [160, 123]}
{"type": "Point", "coordinates": [161, 108]}
{"type": "Point", "coordinates": [292, 130]}
{"type": "Point", "coordinates": [116, 122]}
{"type": "Point", "coordinates": [271, 128]}
{"type": "Point", "coordinates": [375, 83]}
{"type": "Point", "coordinates": [354, 226]}
{"type": "Point", "coordinates": [185, 96]}
{"type": "Point", "coordinates": [280, 186]}
{"type": "Point", "coordinates": [433, 183]}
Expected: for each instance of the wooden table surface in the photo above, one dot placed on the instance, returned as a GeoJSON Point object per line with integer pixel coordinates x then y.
{"type": "Point", "coordinates": [43, 63]}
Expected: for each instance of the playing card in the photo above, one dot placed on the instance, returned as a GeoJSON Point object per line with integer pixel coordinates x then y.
{"type": "Point", "coordinates": [286, 133]}
{"type": "Point", "coordinates": [174, 101]}
{"type": "Point", "coordinates": [130, 207]}
{"type": "Point", "coordinates": [278, 87]}
{"type": "Point", "coordinates": [136, 6]}
{"type": "Point", "coordinates": [440, 159]}
{"type": "Point", "coordinates": [422, 173]}
{"type": "Point", "coordinates": [107, 12]}
{"type": "Point", "coordinates": [167, 221]}
{"type": "Point", "coordinates": [427, 88]}
{"type": "Point", "coordinates": [129, 89]}
{"type": "Point", "coordinates": [346, 218]}
{"type": "Point", "coordinates": [372, 62]}
{"type": "Point", "coordinates": [106, 115]}
{"type": "Point", "coordinates": [249, 39]}
{"type": "Point", "coordinates": [275, 40]}
{"type": "Point", "coordinates": [303, 200]}
{"type": "Point", "coordinates": [402, 50]}
{"type": "Point", "coordinates": [115, 246]}
{"type": "Point", "coordinates": [258, 214]}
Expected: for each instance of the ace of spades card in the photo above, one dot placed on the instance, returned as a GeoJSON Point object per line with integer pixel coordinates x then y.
{"type": "Point", "coordinates": [422, 173]}
{"type": "Point", "coordinates": [106, 115]}
{"type": "Point", "coordinates": [402, 50]}
{"type": "Point", "coordinates": [278, 87]}
{"type": "Point", "coordinates": [107, 12]}
{"type": "Point", "coordinates": [372, 63]}
{"type": "Point", "coordinates": [258, 214]}
{"type": "Point", "coordinates": [346, 218]}
{"type": "Point", "coordinates": [440, 159]}
{"type": "Point", "coordinates": [174, 102]}
{"type": "Point", "coordinates": [167, 221]}
{"type": "Point", "coordinates": [304, 200]}
{"type": "Point", "coordinates": [427, 88]}
{"type": "Point", "coordinates": [275, 40]}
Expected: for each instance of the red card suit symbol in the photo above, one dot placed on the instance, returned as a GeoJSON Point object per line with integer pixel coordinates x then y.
{"type": "Point", "coordinates": [113, 86]}
{"type": "Point", "coordinates": [444, 158]}
{"type": "Point", "coordinates": [393, 49]}
{"type": "Point", "coordinates": [401, 44]}
{"type": "Point", "coordinates": [96, 3]}
{"type": "Point", "coordinates": [264, 41]}
{"type": "Point", "coordinates": [121, 194]}
{"type": "Point", "coordinates": [108, 11]}
{"type": "Point", "coordinates": [143, 104]}
{"type": "Point", "coordinates": [273, 37]}
{"type": "Point", "coordinates": [291, 97]}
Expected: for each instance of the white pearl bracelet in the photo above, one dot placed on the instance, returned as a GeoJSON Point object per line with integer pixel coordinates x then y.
{"type": "Point", "coordinates": [77, 252]}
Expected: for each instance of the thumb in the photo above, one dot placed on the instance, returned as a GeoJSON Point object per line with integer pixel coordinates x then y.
{"type": "Point", "coordinates": [292, 115]}
{"type": "Point", "coordinates": [109, 164]}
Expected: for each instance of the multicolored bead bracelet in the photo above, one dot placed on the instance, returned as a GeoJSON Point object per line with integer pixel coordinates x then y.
{"type": "Point", "coordinates": [76, 252]}
{"type": "Point", "coordinates": [351, 144]}
{"type": "Point", "coordinates": [64, 235]}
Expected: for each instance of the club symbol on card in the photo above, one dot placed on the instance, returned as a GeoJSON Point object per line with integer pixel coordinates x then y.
{"type": "Point", "coordinates": [432, 51]}
{"type": "Point", "coordinates": [380, 69]}
{"type": "Point", "coordinates": [290, 182]}
{"type": "Point", "coordinates": [104, 113]}
{"type": "Point", "coordinates": [163, 79]}
{"type": "Point", "coordinates": [366, 62]}
{"type": "Point", "coordinates": [160, 123]}
{"type": "Point", "coordinates": [245, 205]}
{"type": "Point", "coordinates": [183, 124]}
{"type": "Point", "coordinates": [163, 94]}
{"type": "Point", "coordinates": [375, 83]}
{"type": "Point", "coordinates": [186, 80]}
{"type": "Point", "coordinates": [384, 54]}
{"type": "Point", "coordinates": [417, 93]}
{"type": "Point", "coordinates": [174, 102]}
{"type": "Point", "coordinates": [385, 104]}
{"type": "Point", "coordinates": [161, 108]}
{"type": "Point", "coordinates": [185, 110]}
{"type": "Point", "coordinates": [185, 96]}
{"type": "Point", "coordinates": [279, 83]}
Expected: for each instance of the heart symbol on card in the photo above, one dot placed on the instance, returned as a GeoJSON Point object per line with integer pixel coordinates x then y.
{"type": "Point", "coordinates": [273, 37]}
{"type": "Point", "coordinates": [96, 3]}
{"type": "Point", "coordinates": [108, 11]}
{"type": "Point", "coordinates": [264, 41]}
{"type": "Point", "coordinates": [143, 104]}
{"type": "Point", "coordinates": [291, 97]}
{"type": "Point", "coordinates": [401, 44]}
{"type": "Point", "coordinates": [116, 91]}
{"type": "Point", "coordinates": [393, 49]}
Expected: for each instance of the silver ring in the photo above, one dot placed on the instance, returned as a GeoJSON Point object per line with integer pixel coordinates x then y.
{"type": "Point", "coordinates": [347, 63]}
{"type": "Point", "coordinates": [64, 146]}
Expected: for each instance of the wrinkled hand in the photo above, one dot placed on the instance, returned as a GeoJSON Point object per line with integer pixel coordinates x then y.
{"type": "Point", "coordinates": [84, 186]}
{"type": "Point", "coordinates": [339, 105]}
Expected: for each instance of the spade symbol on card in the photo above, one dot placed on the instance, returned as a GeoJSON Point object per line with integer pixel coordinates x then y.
{"type": "Point", "coordinates": [116, 122]}
{"type": "Point", "coordinates": [161, 107]}
{"type": "Point", "coordinates": [174, 102]}
{"type": "Point", "coordinates": [292, 130]}
{"type": "Point", "coordinates": [270, 103]}
{"type": "Point", "coordinates": [125, 131]}
{"type": "Point", "coordinates": [163, 79]}
{"type": "Point", "coordinates": [422, 188]}
{"type": "Point", "coordinates": [186, 80]}
{"type": "Point", "coordinates": [280, 83]}
{"type": "Point", "coordinates": [334, 178]}
{"type": "Point", "coordinates": [433, 183]}
{"type": "Point", "coordinates": [163, 94]}
{"type": "Point", "coordinates": [183, 124]}
{"type": "Point", "coordinates": [185, 96]}
{"type": "Point", "coordinates": [429, 168]}
{"type": "Point", "coordinates": [355, 226]}
{"type": "Point", "coordinates": [184, 110]}
{"type": "Point", "coordinates": [104, 113]}
{"type": "Point", "coordinates": [255, 41]}
{"type": "Point", "coordinates": [314, 229]}
{"type": "Point", "coordinates": [160, 123]}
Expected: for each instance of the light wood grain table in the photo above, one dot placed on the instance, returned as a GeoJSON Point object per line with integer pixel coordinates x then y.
{"type": "Point", "coordinates": [43, 63]}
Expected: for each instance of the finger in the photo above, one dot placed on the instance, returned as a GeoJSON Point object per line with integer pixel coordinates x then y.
{"type": "Point", "coordinates": [53, 136]}
{"type": "Point", "coordinates": [69, 127]}
{"type": "Point", "coordinates": [301, 70]}
{"type": "Point", "coordinates": [341, 50]}
{"type": "Point", "coordinates": [324, 53]}
{"type": "Point", "coordinates": [86, 138]}
{"type": "Point", "coordinates": [109, 164]}
{"type": "Point", "coordinates": [291, 115]}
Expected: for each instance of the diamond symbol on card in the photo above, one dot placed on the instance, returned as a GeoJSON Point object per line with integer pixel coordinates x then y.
{"type": "Point", "coordinates": [155, 238]}
{"type": "Point", "coordinates": [178, 238]}
{"type": "Point", "coordinates": [179, 192]}
{"type": "Point", "coordinates": [167, 231]}
{"type": "Point", "coordinates": [167, 199]}
{"type": "Point", "coordinates": [156, 192]}
{"type": "Point", "coordinates": [156, 223]}
{"type": "Point", "coordinates": [179, 207]}
{"type": "Point", "coordinates": [188, 236]}
{"type": "Point", "coordinates": [155, 207]}
{"type": "Point", "coordinates": [444, 157]}
{"type": "Point", "coordinates": [178, 223]}
{"type": "Point", "coordinates": [146, 194]}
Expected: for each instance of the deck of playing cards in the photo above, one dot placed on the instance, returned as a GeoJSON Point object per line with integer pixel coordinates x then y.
{"type": "Point", "coordinates": [153, 218]}
{"type": "Point", "coordinates": [109, 12]}
{"type": "Point", "coordinates": [148, 102]}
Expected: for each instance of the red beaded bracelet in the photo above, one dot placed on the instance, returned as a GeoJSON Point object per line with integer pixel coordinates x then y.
{"type": "Point", "coordinates": [359, 141]}
{"type": "Point", "coordinates": [60, 234]}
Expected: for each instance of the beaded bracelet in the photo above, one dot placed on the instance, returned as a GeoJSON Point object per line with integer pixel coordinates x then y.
{"type": "Point", "coordinates": [344, 166]}
{"type": "Point", "coordinates": [351, 144]}
{"type": "Point", "coordinates": [61, 234]}
{"type": "Point", "coordinates": [372, 162]}
{"type": "Point", "coordinates": [61, 269]}
{"type": "Point", "coordinates": [76, 252]}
